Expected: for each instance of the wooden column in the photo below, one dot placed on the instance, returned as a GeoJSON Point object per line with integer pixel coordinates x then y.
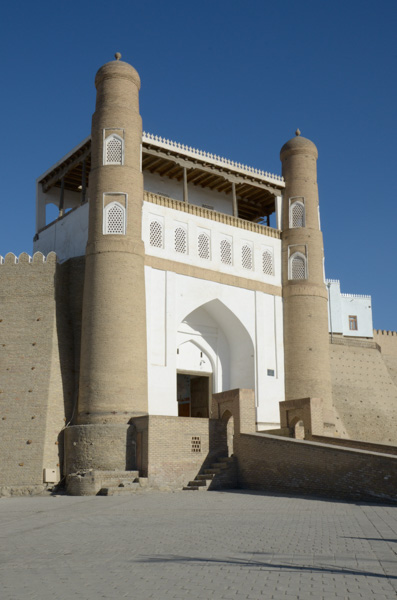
{"type": "Point", "coordinates": [185, 190]}
{"type": "Point", "coordinates": [61, 198]}
{"type": "Point", "coordinates": [83, 186]}
{"type": "Point", "coordinates": [234, 197]}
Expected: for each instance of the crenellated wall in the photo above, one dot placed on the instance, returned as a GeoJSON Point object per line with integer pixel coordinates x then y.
{"type": "Point", "coordinates": [387, 340]}
{"type": "Point", "coordinates": [37, 358]}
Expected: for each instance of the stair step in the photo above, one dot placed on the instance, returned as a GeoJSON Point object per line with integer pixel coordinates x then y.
{"type": "Point", "coordinates": [212, 471]}
{"type": "Point", "coordinates": [205, 476]}
{"type": "Point", "coordinates": [199, 482]}
{"type": "Point", "coordinates": [119, 490]}
{"type": "Point", "coordinates": [220, 465]}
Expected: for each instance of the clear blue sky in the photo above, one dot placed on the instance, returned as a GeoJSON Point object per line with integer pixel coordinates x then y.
{"type": "Point", "coordinates": [235, 78]}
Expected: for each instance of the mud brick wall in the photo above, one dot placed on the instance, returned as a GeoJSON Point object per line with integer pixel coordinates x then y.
{"type": "Point", "coordinates": [37, 366]}
{"type": "Point", "coordinates": [179, 447]}
{"type": "Point", "coordinates": [283, 465]}
{"type": "Point", "coordinates": [364, 393]}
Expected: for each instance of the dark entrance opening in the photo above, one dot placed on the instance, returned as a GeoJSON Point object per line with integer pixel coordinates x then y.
{"type": "Point", "coordinates": [193, 392]}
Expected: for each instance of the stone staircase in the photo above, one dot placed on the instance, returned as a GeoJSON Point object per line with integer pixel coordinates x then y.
{"type": "Point", "coordinates": [220, 475]}
{"type": "Point", "coordinates": [120, 483]}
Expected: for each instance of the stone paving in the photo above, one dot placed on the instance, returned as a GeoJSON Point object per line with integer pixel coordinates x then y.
{"type": "Point", "coordinates": [179, 545]}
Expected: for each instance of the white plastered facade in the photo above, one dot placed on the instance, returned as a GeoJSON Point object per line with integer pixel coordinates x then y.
{"type": "Point", "coordinates": [237, 333]}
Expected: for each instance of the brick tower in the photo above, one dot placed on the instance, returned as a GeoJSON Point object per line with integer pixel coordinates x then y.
{"type": "Point", "coordinates": [113, 368]}
{"type": "Point", "coordinates": [306, 343]}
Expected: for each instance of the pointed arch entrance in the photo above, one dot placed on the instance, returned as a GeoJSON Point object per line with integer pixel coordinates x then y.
{"type": "Point", "coordinates": [215, 353]}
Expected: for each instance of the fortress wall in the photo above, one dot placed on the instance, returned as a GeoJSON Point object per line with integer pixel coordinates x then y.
{"type": "Point", "coordinates": [387, 340]}
{"type": "Point", "coordinates": [364, 393]}
{"type": "Point", "coordinates": [32, 400]}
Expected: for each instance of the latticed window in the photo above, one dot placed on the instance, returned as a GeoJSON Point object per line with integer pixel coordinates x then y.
{"type": "Point", "coordinates": [113, 154]}
{"type": "Point", "coordinates": [246, 257]}
{"type": "Point", "coordinates": [297, 216]}
{"type": "Point", "coordinates": [267, 262]}
{"type": "Point", "coordinates": [156, 234]}
{"type": "Point", "coordinates": [114, 219]}
{"type": "Point", "coordinates": [203, 246]}
{"type": "Point", "coordinates": [180, 240]}
{"type": "Point", "coordinates": [298, 267]}
{"type": "Point", "coordinates": [226, 252]}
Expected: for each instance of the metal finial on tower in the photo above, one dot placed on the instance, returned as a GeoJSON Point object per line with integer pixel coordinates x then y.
{"type": "Point", "coordinates": [117, 56]}
{"type": "Point", "coordinates": [298, 132]}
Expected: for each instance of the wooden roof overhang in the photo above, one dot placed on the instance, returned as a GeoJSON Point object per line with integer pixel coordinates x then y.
{"type": "Point", "coordinates": [255, 195]}
{"type": "Point", "coordinates": [70, 169]}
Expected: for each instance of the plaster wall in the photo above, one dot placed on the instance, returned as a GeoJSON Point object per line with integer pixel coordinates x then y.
{"type": "Point", "coordinates": [196, 195]}
{"type": "Point", "coordinates": [170, 219]}
{"type": "Point", "coordinates": [43, 199]}
{"type": "Point", "coordinates": [341, 306]}
{"type": "Point", "coordinates": [66, 236]}
{"type": "Point", "coordinates": [238, 330]}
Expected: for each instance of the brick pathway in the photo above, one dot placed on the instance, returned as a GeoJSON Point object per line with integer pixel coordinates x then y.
{"type": "Point", "coordinates": [192, 545]}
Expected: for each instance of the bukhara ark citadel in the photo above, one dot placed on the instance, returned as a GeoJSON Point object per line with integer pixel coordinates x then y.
{"type": "Point", "coordinates": [174, 327]}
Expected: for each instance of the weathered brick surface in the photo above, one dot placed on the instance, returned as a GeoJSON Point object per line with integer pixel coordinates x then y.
{"type": "Point", "coordinates": [387, 340]}
{"type": "Point", "coordinates": [277, 464]}
{"type": "Point", "coordinates": [364, 394]}
{"type": "Point", "coordinates": [355, 444]}
{"type": "Point", "coordinates": [32, 400]}
{"type": "Point", "coordinates": [169, 459]}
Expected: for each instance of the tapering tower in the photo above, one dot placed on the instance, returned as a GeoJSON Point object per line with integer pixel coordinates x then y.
{"type": "Point", "coordinates": [113, 366]}
{"type": "Point", "coordinates": [306, 343]}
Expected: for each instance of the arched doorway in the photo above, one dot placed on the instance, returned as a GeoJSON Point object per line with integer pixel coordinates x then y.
{"type": "Point", "coordinates": [298, 429]}
{"type": "Point", "coordinates": [213, 343]}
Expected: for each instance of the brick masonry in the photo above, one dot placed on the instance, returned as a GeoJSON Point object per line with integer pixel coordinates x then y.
{"type": "Point", "coordinates": [36, 369]}
{"type": "Point", "coordinates": [40, 348]}
{"type": "Point", "coordinates": [274, 464]}
{"type": "Point", "coordinates": [172, 450]}
{"type": "Point", "coordinates": [365, 391]}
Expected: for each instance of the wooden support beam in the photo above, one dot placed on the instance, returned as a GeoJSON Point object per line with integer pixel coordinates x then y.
{"type": "Point", "coordinates": [234, 200]}
{"type": "Point", "coordinates": [185, 190]}
{"type": "Point", "coordinates": [226, 174]}
{"type": "Point", "coordinates": [47, 184]}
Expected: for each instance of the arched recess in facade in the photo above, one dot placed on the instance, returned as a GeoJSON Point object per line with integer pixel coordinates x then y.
{"type": "Point", "coordinates": [212, 339]}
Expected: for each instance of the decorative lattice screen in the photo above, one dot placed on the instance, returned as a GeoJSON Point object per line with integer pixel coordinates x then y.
{"type": "Point", "coordinates": [246, 257]}
{"type": "Point", "coordinates": [156, 234]}
{"type": "Point", "coordinates": [114, 150]}
{"type": "Point", "coordinates": [226, 252]}
{"type": "Point", "coordinates": [180, 240]}
{"type": "Point", "coordinates": [297, 215]}
{"type": "Point", "coordinates": [196, 444]}
{"type": "Point", "coordinates": [203, 244]}
{"type": "Point", "coordinates": [115, 219]}
{"type": "Point", "coordinates": [298, 268]}
{"type": "Point", "coordinates": [267, 262]}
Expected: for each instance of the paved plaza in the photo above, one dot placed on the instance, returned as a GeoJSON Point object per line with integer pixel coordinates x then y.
{"type": "Point", "coordinates": [223, 545]}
